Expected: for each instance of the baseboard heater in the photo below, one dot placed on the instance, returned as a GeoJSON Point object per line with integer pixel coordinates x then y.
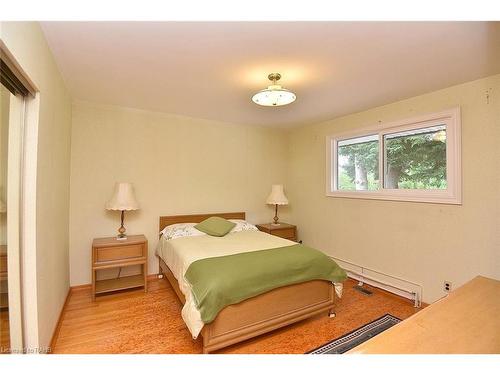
{"type": "Point", "coordinates": [413, 293]}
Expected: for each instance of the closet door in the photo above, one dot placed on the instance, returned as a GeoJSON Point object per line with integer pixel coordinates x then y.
{"type": "Point", "coordinates": [13, 94]}
{"type": "Point", "coordinates": [11, 146]}
{"type": "Point", "coordinates": [4, 287]}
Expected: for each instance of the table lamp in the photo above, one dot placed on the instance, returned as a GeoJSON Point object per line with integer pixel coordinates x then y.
{"type": "Point", "coordinates": [123, 199]}
{"type": "Point", "coordinates": [278, 198]}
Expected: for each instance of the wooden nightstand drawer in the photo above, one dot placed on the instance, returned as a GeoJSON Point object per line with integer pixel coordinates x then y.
{"type": "Point", "coordinates": [3, 258]}
{"type": "Point", "coordinates": [3, 263]}
{"type": "Point", "coordinates": [108, 254]}
{"type": "Point", "coordinates": [283, 230]}
{"type": "Point", "coordinates": [288, 233]}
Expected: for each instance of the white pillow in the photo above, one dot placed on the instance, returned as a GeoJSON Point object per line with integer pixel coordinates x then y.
{"type": "Point", "coordinates": [173, 231]}
{"type": "Point", "coordinates": [242, 225]}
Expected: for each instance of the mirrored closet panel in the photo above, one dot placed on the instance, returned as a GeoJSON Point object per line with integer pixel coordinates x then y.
{"type": "Point", "coordinates": [4, 289]}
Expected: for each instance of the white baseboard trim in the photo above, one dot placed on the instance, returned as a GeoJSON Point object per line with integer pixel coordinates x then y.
{"type": "Point", "coordinates": [399, 286]}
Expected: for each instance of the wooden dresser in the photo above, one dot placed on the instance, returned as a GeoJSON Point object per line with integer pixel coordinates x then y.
{"type": "Point", "coordinates": [112, 253]}
{"type": "Point", "coordinates": [467, 321]}
{"type": "Point", "coordinates": [282, 230]}
{"type": "Point", "coordinates": [4, 296]}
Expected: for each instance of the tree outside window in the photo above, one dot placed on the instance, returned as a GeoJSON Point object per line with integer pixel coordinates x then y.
{"type": "Point", "coordinates": [413, 160]}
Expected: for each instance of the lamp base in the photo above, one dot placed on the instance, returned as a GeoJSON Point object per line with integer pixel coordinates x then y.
{"type": "Point", "coordinates": [275, 224]}
{"type": "Point", "coordinates": [275, 218]}
{"type": "Point", "coordinates": [121, 231]}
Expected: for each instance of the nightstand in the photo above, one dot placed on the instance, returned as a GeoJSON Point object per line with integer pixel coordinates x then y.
{"type": "Point", "coordinates": [282, 230]}
{"type": "Point", "coordinates": [112, 253]}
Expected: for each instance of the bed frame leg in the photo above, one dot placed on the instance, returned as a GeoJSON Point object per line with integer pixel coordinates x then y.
{"type": "Point", "coordinates": [332, 313]}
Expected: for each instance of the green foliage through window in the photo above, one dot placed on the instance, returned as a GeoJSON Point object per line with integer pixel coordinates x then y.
{"type": "Point", "coordinates": [416, 161]}
{"type": "Point", "coordinates": [358, 164]}
{"type": "Point", "coordinates": [413, 160]}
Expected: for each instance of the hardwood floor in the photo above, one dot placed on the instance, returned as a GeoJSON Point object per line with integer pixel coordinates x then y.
{"type": "Point", "coordinates": [138, 322]}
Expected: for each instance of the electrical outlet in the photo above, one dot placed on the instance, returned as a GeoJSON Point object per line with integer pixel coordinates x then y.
{"type": "Point", "coordinates": [447, 286]}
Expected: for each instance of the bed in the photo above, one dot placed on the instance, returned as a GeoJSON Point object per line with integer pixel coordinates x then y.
{"type": "Point", "coordinates": [253, 316]}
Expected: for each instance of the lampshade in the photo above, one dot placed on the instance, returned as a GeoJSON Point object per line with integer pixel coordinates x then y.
{"type": "Point", "coordinates": [123, 198]}
{"type": "Point", "coordinates": [274, 95]}
{"type": "Point", "coordinates": [277, 196]}
{"type": "Point", "coordinates": [3, 206]}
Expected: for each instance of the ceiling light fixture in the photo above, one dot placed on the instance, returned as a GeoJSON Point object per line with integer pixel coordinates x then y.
{"type": "Point", "coordinates": [274, 95]}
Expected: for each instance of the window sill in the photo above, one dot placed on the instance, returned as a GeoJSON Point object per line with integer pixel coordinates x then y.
{"type": "Point", "coordinates": [431, 196]}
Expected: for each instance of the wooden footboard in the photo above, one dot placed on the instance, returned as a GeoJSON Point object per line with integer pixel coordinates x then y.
{"type": "Point", "coordinates": [264, 313]}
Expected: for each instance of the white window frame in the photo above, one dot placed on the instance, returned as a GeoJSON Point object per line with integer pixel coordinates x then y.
{"type": "Point", "coordinates": [451, 195]}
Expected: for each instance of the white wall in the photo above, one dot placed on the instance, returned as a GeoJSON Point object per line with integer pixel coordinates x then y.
{"type": "Point", "coordinates": [424, 243]}
{"type": "Point", "coordinates": [27, 43]}
{"type": "Point", "coordinates": [178, 165]}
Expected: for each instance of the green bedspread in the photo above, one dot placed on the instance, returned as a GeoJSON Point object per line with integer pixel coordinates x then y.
{"type": "Point", "coordinates": [221, 281]}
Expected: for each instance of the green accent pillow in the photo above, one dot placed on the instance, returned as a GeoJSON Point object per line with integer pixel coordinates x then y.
{"type": "Point", "coordinates": [215, 226]}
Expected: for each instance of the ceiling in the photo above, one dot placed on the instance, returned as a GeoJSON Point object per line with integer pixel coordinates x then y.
{"type": "Point", "coordinates": [211, 69]}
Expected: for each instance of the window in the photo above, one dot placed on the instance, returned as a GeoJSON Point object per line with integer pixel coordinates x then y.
{"type": "Point", "coordinates": [416, 159]}
{"type": "Point", "coordinates": [412, 160]}
{"type": "Point", "coordinates": [358, 163]}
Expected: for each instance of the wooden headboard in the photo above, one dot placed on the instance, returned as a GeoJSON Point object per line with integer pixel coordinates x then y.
{"type": "Point", "coordinates": [169, 220]}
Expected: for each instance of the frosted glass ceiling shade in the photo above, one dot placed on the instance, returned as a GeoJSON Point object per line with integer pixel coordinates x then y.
{"type": "Point", "coordinates": [277, 196]}
{"type": "Point", "coordinates": [274, 95]}
{"type": "Point", "coordinates": [123, 198]}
